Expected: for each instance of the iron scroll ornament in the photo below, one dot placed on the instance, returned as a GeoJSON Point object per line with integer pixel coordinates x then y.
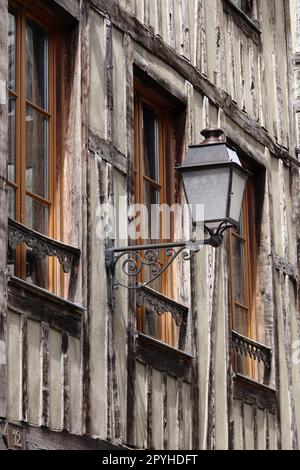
{"type": "Point", "coordinates": [132, 261]}
{"type": "Point", "coordinates": [41, 245]}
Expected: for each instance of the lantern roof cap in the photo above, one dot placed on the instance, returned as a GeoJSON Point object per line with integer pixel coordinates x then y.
{"type": "Point", "coordinates": [213, 150]}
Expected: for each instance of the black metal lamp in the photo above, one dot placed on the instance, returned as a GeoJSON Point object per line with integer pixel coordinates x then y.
{"type": "Point", "coordinates": [213, 178]}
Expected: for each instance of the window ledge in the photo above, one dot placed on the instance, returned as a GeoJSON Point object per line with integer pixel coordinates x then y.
{"type": "Point", "coordinates": [163, 357]}
{"type": "Point", "coordinates": [254, 393]}
{"type": "Point", "coordinates": [42, 305]}
{"type": "Point", "coordinates": [250, 26]}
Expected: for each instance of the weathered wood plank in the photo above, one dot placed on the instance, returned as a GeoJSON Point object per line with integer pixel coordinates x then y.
{"type": "Point", "coordinates": [108, 152]}
{"type": "Point", "coordinates": [187, 415]}
{"type": "Point", "coordinates": [45, 369]}
{"type": "Point", "coordinates": [272, 428]}
{"type": "Point", "coordinates": [158, 410]}
{"type": "Point", "coordinates": [163, 357]}
{"type": "Point", "coordinates": [118, 91]}
{"type": "Point", "coordinates": [141, 406]}
{"type": "Point", "coordinates": [75, 399]}
{"type": "Point", "coordinates": [201, 55]}
{"type": "Point", "coordinates": [284, 266]}
{"type": "Point", "coordinates": [165, 409]}
{"type": "Point", "coordinates": [237, 434]}
{"type": "Point", "coordinates": [150, 405]}
{"type": "Point", "coordinates": [185, 42]}
{"type": "Point", "coordinates": [249, 427]}
{"type": "Point", "coordinates": [45, 439]}
{"type": "Point", "coordinates": [171, 86]}
{"type": "Point", "coordinates": [24, 371]}
{"type": "Point", "coordinates": [55, 381]}
{"type": "Point", "coordinates": [249, 26]}
{"type": "Point", "coordinates": [65, 381]}
{"type": "Point", "coordinates": [32, 380]}
{"type": "Point", "coordinates": [3, 203]}
{"type": "Point", "coordinates": [180, 413]}
{"type": "Point", "coordinates": [172, 423]}
{"type": "Point", "coordinates": [261, 429]}
{"type": "Point", "coordinates": [131, 299]}
{"type": "Point", "coordinates": [85, 227]}
{"type": "Point", "coordinates": [3, 361]}
{"type": "Point", "coordinates": [14, 377]}
{"type": "Point", "coordinates": [254, 393]}
{"type": "Point", "coordinates": [98, 106]}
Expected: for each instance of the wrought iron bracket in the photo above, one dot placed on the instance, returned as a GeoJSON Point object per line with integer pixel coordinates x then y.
{"type": "Point", "coordinates": [151, 260]}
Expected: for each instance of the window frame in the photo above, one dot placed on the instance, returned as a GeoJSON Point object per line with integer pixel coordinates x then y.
{"type": "Point", "coordinates": [24, 11]}
{"type": "Point", "coordinates": [249, 239]}
{"type": "Point", "coordinates": [163, 108]}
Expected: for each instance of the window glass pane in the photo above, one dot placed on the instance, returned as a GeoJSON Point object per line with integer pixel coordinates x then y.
{"type": "Point", "coordinates": [241, 320]}
{"type": "Point", "coordinates": [36, 269]}
{"type": "Point", "coordinates": [11, 202]}
{"type": "Point", "coordinates": [37, 64]}
{"type": "Point", "coordinates": [238, 270]}
{"type": "Point", "coordinates": [11, 261]}
{"type": "Point", "coordinates": [36, 153]}
{"type": "Point", "coordinates": [162, 327]}
{"type": "Point", "coordinates": [150, 143]}
{"type": "Point", "coordinates": [151, 201]}
{"type": "Point", "coordinates": [11, 170]}
{"type": "Point", "coordinates": [11, 252]}
{"type": "Point", "coordinates": [37, 216]}
{"type": "Point", "coordinates": [11, 52]}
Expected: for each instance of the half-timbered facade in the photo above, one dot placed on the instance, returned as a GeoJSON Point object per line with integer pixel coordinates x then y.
{"type": "Point", "coordinates": [99, 101]}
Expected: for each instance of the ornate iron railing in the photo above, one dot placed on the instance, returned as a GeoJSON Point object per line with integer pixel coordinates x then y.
{"type": "Point", "coordinates": [247, 347]}
{"type": "Point", "coordinates": [42, 245]}
{"type": "Point", "coordinates": [160, 304]}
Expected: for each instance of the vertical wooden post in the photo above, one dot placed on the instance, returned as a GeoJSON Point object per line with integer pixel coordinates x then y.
{"type": "Point", "coordinates": [3, 202]}
{"type": "Point", "coordinates": [44, 351]}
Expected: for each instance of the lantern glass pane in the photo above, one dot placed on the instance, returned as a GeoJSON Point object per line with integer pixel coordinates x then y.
{"type": "Point", "coordinates": [237, 192]}
{"type": "Point", "coordinates": [207, 189]}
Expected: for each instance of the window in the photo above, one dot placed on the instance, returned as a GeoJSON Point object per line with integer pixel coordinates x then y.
{"type": "Point", "coordinates": [31, 162]}
{"type": "Point", "coordinates": [155, 150]}
{"type": "Point", "coordinates": [243, 254]}
{"type": "Point", "coordinates": [245, 5]}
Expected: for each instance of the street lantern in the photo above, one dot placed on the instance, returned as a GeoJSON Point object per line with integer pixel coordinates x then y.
{"type": "Point", "coordinates": [214, 178]}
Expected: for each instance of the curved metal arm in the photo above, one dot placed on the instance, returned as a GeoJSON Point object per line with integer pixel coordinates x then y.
{"type": "Point", "coordinates": [136, 259]}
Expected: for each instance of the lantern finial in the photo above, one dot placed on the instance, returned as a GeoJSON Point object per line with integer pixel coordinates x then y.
{"type": "Point", "coordinates": [213, 136]}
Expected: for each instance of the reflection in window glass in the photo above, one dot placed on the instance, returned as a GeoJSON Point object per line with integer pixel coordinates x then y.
{"type": "Point", "coordinates": [37, 65]}
{"type": "Point", "coordinates": [11, 171]}
{"type": "Point", "coordinates": [36, 216]}
{"type": "Point", "coordinates": [36, 153]}
{"type": "Point", "coordinates": [11, 202]}
{"type": "Point", "coordinates": [150, 143]}
{"type": "Point", "coordinates": [238, 270]}
{"type": "Point", "coordinates": [11, 52]}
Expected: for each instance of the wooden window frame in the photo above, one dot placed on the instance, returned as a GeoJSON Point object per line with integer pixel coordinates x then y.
{"type": "Point", "coordinates": [162, 107]}
{"type": "Point", "coordinates": [248, 237]}
{"type": "Point", "coordinates": [22, 11]}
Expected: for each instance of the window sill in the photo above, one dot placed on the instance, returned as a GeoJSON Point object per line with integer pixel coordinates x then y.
{"type": "Point", "coordinates": [41, 305]}
{"type": "Point", "coordinates": [254, 393]}
{"type": "Point", "coordinates": [249, 26]}
{"type": "Point", "coordinates": [163, 357]}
